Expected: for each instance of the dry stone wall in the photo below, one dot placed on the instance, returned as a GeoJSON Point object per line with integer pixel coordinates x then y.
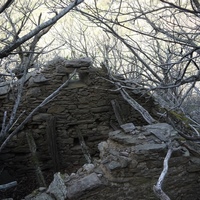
{"type": "Point", "coordinates": [83, 106]}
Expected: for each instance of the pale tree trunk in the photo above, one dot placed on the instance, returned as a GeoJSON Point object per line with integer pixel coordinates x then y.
{"type": "Point", "coordinates": [158, 187]}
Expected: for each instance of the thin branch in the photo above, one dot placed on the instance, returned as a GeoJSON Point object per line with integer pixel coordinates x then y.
{"type": "Point", "coordinates": [6, 5]}
{"type": "Point", "coordinates": [115, 34]}
{"type": "Point", "coordinates": [27, 63]}
{"type": "Point", "coordinates": [16, 120]}
{"type": "Point", "coordinates": [19, 94]}
{"type": "Point", "coordinates": [179, 7]}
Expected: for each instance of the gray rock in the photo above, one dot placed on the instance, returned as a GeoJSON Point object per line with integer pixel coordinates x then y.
{"type": "Point", "coordinates": [56, 109]}
{"type": "Point", "coordinates": [33, 92]}
{"type": "Point", "coordinates": [195, 160]}
{"type": "Point", "coordinates": [150, 147]}
{"type": "Point", "coordinates": [80, 62]}
{"type": "Point", "coordinates": [57, 188]}
{"type": "Point", "coordinates": [42, 189]}
{"type": "Point", "coordinates": [40, 196]}
{"type": "Point", "coordinates": [41, 117]}
{"type": "Point", "coordinates": [123, 138]}
{"type": "Point", "coordinates": [40, 78]}
{"type": "Point", "coordinates": [114, 165]}
{"type": "Point", "coordinates": [129, 127]}
{"type": "Point", "coordinates": [103, 148]}
{"type": "Point", "coordinates": [88, 168]}
{"type": "Point", "coordinates": [161, 130]}
{"type": "Point", "coordinates": [4, 88]}
{"type": "Point", "coordinates": [35, 80]}
{"type": "Point", "coordinates": [124, 161]}
{"type": "Point", "coordinates": [63, 70]}
{"type": "Point", "coordinates": [87, 183]}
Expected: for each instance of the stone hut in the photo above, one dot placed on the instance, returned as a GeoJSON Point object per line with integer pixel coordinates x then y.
{"type": "Point", "coordinates": [83, 110]}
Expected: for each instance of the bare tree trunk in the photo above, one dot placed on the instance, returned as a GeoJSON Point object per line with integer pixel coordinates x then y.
{"type": "Point", "coordinates": [158, 187]}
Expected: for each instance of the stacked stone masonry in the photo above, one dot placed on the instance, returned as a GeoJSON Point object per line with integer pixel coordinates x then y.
{"type": "Point", "coordinates": [126, 160]}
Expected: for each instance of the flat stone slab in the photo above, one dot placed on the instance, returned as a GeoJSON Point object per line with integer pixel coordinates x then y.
{"type": "Point", "coordinates": [162, 129]}
{"type": "Point", "coordinates": [87, 183]}
{"type": "Point", "coordinates": [123, 138]}
{"type": "Point", "coordinates": [150, 147]}
{"type": "Point", "coordinates": [80, 62]}
{"type": "Point", "coordinates": [129, 127]}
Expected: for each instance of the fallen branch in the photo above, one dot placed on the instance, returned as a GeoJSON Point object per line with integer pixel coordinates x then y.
{"type": "Point", "coordinates": [8, 185]}
{"type": "Point", "coordinates": [149, 119]}
{"type": "Point", "coordinates": [117, 112]}
{"type": "Point", "coordinates": [28, 118]}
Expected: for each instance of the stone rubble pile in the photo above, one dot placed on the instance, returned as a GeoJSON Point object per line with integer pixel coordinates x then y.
{"type": "Point", "coordinates": [129, 165]}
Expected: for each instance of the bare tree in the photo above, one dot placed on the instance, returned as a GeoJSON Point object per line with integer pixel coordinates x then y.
{"type": "Point", "coordinates": [21, 33]}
